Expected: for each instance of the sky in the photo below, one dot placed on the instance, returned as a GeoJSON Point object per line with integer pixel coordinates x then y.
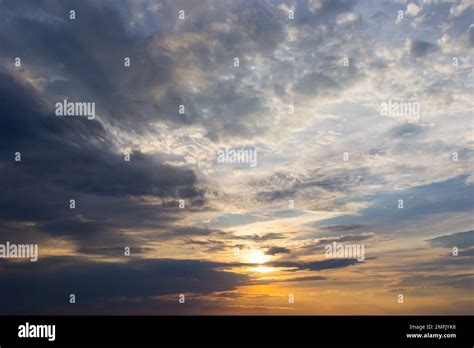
{"type": "Point", "coordinates": [359, 115]}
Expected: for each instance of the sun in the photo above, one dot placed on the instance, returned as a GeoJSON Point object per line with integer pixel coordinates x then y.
{"type": "Point", "coordinates": [257, 257]}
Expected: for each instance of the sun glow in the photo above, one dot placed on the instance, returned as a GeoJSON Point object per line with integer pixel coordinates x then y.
{"type": "Point", "coordinates": [257, 257]}
{"type": "Point", "coordinates": [262, 269]}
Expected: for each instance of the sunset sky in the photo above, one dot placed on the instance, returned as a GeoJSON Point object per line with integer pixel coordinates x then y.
{"type": "Point", "coordinates": [307, 92]}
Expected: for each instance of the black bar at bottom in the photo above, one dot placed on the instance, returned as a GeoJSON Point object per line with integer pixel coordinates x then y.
{"type": "Point", "coordinates": [261, 330]}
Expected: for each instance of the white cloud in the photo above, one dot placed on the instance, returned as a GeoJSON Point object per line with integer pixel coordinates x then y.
{"type": "Point", "coordinates": [412, 9]}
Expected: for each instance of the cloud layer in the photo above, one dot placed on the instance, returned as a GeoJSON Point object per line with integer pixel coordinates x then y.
{"type": "Point", "coordinates": [303, 82]}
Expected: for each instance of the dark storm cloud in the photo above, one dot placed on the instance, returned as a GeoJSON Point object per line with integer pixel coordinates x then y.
{"type": "Point", "coordinates": [74, 153]}
{"type": "Point", "coordinates": [421, 48]}
{"type": "Point", "coordinates": [314, 265]}
{"type": "Point", "coordinates": [86, 61]}
{"type": "Point", "coordinates": [73, 227]}
{"type": "Point", "coordinates": [87, 55]}
{"type": "Point", "coordinates": [277, 250]}
{"type": "Point", "coordinates": [117, 251]}
{"type": "Point", "coordinates": [459, 239]}
{"type": "Point", "coordinates": [72, 158]}
{"type": "Point", "coordinates": [105, 285]}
